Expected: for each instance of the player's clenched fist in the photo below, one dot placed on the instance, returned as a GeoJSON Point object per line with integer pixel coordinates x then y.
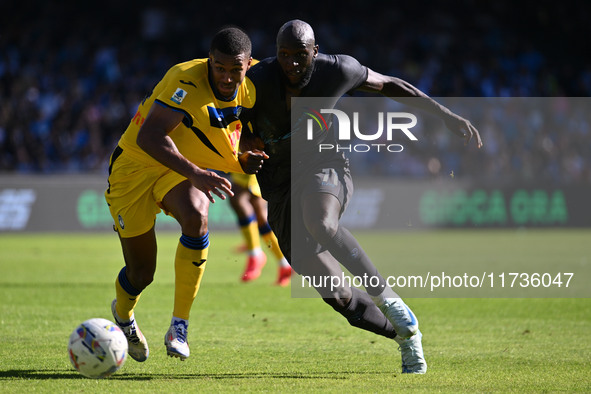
{"type": "Point", "coordinates": [252, 161]}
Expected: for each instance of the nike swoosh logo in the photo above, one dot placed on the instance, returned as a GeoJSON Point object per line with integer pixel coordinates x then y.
{"type": "Point", "coordinates": [188, 83]}
{"type": "Point", "coordinates": [200, 263]}
{"type": "Point", "coordinates": [413, 319]}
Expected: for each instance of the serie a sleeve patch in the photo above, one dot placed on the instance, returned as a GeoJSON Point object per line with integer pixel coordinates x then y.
{"type": "Point", "coordinates": [178, 96]}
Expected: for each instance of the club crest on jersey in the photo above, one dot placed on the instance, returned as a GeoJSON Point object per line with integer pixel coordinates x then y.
{"type": "Point", "coordinates": [178, 96]}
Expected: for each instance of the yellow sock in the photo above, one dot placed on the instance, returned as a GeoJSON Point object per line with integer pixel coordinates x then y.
{"type": "Point", "coordinates": [127, 296]}
{"type": "Point", "coordinates": [250, 232]}
{"type": "Point", "coordinates": [271, 241]}
{"type": "Point", "coordinates": [189, 266]}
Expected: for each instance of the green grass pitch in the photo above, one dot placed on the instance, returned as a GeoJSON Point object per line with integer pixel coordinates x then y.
{"type": "Point", "coordinates": [256, 337]}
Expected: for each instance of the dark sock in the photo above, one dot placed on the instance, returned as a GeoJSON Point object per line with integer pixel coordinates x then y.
{"type": "Point", "coordinates": [345, 248]}
{"type": "Point", "coordinates": [362, 313]}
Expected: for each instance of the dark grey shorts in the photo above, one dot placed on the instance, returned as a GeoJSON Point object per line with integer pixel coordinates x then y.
{"type": "Point", "coordinates": [285, 210]}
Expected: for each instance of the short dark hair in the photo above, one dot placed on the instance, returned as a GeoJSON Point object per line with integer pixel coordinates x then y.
{"type": "Point", "coordinates": [231, 41]}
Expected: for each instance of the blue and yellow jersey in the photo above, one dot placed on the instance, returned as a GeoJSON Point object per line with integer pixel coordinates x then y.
{"type": "Point", "coordinates": [210, 131]}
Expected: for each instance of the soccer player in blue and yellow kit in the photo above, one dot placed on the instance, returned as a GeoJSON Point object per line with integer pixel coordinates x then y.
{"type": "Point", "coordinates": [188, 124]}
{"type": "Point", "coordinates": [251, 211]}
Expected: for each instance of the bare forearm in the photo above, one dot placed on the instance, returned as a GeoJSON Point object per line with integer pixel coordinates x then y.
{"type": "Point", "coordinates": [408, 94]}
{"type": "Point", "coordinates": [404, 92]}
{"type": "Point", "coordinates": [163, 149]}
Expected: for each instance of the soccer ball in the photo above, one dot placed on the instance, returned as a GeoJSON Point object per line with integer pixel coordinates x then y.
{"type": "Point", "coordinates": [97, 348]}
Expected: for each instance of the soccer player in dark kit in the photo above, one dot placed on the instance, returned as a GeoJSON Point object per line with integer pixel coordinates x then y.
{"type": "Point", "coordinates": [307, 201]}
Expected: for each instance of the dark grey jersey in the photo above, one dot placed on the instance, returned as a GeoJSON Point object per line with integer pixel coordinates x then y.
{"type": "Point", "coordinates": [332, 77]}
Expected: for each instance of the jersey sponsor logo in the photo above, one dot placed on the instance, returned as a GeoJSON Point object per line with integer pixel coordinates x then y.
{"type": "Point", "coordinates": [15, 208]}
{"type": "Point", "coordinates": [121, 222]}
{"type": "Point", "coordinates": [178, 96]}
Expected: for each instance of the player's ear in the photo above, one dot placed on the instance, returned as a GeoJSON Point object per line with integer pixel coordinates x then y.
{"type": "Point", "coordinates": [315, 50]}
{"type": "Point", "coordinates": [249, 63]}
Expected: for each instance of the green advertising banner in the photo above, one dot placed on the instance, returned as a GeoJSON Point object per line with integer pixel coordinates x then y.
{"type": "Point", "coordinates": [66, 203]}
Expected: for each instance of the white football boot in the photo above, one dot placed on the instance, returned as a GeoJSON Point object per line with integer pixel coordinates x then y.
{"type": "Point", "coordinates": [137, 346]}
{"type": "Point", "coordinates": [176, 340]}
{"type": "Point", "coordinates": [398, 313]}
{"type": "Point", "coordinates": [411, 350]}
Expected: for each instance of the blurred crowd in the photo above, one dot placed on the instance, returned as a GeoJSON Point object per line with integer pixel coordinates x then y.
{"type": "Point", "coordinates": [71, 75]}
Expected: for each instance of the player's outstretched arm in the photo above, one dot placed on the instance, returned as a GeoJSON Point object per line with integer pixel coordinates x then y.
{"type": "Point", "coordinates": [153, 138]}
{"type": "Point", "coordinates": [402, 91]}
